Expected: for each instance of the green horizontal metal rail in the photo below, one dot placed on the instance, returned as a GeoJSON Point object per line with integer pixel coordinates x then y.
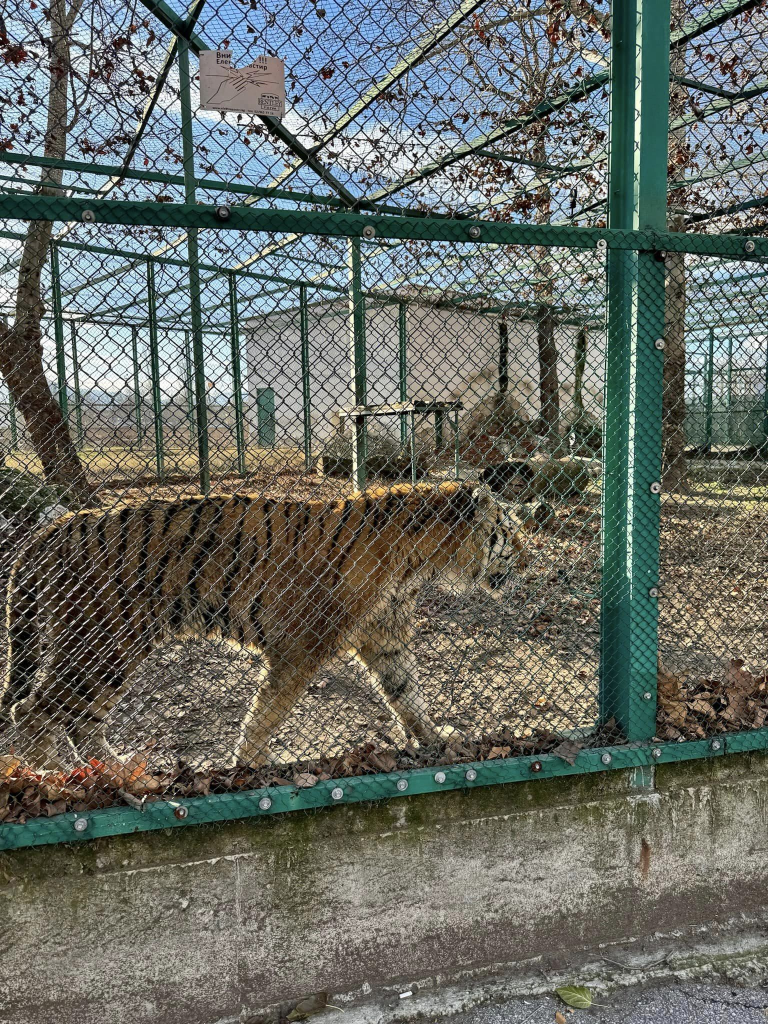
{"type": "Point", "coordinates": [351, 225]}
{"type": "Point", "coordinates": [163, 178]}
{"type": "Point", "coordinates": [137, 257]}
{"type": "Point", "coordinates": [280, 799]}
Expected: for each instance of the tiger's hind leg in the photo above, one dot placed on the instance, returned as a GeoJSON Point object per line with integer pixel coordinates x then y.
{"type": "Point", "coordinates": [85, 675]}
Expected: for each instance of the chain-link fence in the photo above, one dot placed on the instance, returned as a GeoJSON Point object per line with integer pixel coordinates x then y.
{"type": "Point", "coordinates": [414, 439]}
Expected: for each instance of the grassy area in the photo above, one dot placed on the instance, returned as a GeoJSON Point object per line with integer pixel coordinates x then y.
{"type": "Point", "coordinates": [126, 463]}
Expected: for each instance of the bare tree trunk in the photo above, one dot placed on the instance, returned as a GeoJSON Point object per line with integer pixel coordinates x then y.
{"type": "Point", "coordinates": [549, 385]}
{"type": "Point", "coordinates": [503, 359]}
{"type": "Point", "coordinates": [674, 464]}
{"type": "Point", "coordinates": [579, 366]}
{"type": "Point", "coordinates": [21, 349]}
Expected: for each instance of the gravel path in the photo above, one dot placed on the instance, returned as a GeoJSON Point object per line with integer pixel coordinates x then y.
{"type": "Point", "coordinates": [686, 1003]}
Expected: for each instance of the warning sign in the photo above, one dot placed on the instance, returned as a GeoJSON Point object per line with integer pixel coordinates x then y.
{"type": "Point", "coordinates": [258, 88]}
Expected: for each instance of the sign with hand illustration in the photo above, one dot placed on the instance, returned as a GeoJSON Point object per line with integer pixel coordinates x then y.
{"type": "Point", "coordinates": [258, 88]}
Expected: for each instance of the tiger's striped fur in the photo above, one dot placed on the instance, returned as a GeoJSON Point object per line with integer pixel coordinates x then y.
{"type": "Point", "coordinates": [295, 582]}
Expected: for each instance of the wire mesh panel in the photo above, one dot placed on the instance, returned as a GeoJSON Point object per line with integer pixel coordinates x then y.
{"type": "Point", "coordinates": [370, 431]}
{"type": "Point", "coordinates": [712, 650]}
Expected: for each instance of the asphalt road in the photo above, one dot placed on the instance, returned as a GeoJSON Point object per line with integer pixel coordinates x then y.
{"type": "Point", "coordinates": [678, 1003]}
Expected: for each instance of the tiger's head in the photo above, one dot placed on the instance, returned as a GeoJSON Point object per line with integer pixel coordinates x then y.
{"type": "Point", "coordinates": [494, 550]}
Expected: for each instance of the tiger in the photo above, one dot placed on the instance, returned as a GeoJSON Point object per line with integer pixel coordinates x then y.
{"type": "Point", "coordinates": [291, 583]}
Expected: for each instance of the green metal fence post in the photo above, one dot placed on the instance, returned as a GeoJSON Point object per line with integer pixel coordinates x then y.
{"type": "Point", "coordinates": [729, 389]}
{"type": "Point", "coordinates": [358, 363]}
{"type": "Point", "coordinates": [637, 191]}
{"type": "Point", "coordinates": [154, 371]}
{"type": "Point", "coordinates": [76, 385]}
{"type": "Point", "coordinates": [198, 351]}
{"type": "Point", "coordinates": [402, 365]}
{"type": "Point", "coordinates": [237, 373]}
{"type": "Point", "coordinates": [58, 333]}
{"type": "Point", "coordinates": [709, 396]}
{"type": "Point", "coordinates": [136, 384]}
{"type": "Point", "coordinates": [306, 396]}
{"type": "Point", "coordinates": [189, 387]}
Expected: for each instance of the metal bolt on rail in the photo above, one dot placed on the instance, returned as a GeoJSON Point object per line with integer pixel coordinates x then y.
{"type": "Point", "coordinates": [474, 231]}
{"type": "Point", "coordinates": [536, 766]}
{"type": "Point", "coordinates": [265, 803]}
{"type": "Point", "coordinates": [715, 744]}
{"type": "Point", "coordinates": [655, 487]}
{"type": "Point", "coordinates": [80, 824]}
{"type": "Point", "coordinates": [647, 695]}
{"type": "Point", "coordinates": [749, 246]}
{"type": "Point", "coordinates": [606, 758]}
{"type": "Point", "coordinates": [653, 592]}
{"type": "Point", "coordinates": [223, 212]}
{"type": "Point", "coordinates": [88, 217]}
{"type": "Point", "coordinates": [402, 785]}
{"type": "Point", "coordinates": [656, 752]}
{"type": "Point", "coordinates": [337, 793]}
{"type": "Point", "coordinates": [440, 777]}
{"type": "Point", "coordinates": [660, 344]}
{"type": "Point", "coordinates": [369, 231]}
{"type": "Point", "coordinates": [470, 775]}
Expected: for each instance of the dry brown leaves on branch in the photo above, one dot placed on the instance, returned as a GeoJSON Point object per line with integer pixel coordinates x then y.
{"type": "Point", "coordinates": [694, 707]}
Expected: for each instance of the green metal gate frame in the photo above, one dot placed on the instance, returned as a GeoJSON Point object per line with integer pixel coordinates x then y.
{"type": "Point", "coordinates": [633, 245]}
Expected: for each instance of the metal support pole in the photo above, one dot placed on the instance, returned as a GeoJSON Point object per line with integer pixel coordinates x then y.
{"type": "Point", "coordinates": [136, 384]}
{"type": "Point", "coordinates": [237, 374]}
{"type": "Point", "coordinates": [198, 352]}
{"type": "Point", "coordinates": [402, 365]}
{"type": "Point", "coordinates": [306, 397]}
{"type": "Point", "coordinates": [456, 451]}
{"type": "Point", "coordinates": [76, 385]}
{"type": "Point", "coordinates": [637, 190]}
{"type": "Point", "coordinates": [189, 387]}
{"type": "Point", "coordinates": [709, 394]}
{"type": "Point", "coordinates": [765, 405]}
{"type": "Point", "coordinates": [358, 363]}
{"type": "Point", "coordinates": [729, 389]}
{"type": "Point", "coordinates": [58, 333]}
{"type": "Point", "coordinates": [154, 371]}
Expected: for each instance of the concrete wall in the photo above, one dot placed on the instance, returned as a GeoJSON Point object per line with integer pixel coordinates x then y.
{"type": "Point", "coordinates": [212, 923]}
{"type": "Point", "coordinates": [452, 353]}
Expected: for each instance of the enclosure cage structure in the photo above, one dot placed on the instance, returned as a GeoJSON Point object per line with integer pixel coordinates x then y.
{"type": "Point", "coordinates": [359, 452]}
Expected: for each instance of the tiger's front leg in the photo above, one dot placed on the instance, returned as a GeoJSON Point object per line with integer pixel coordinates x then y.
{"type": "Point", "coordinates": [282, 684]}
{"type": "Point", "coordinates": [382, 646]}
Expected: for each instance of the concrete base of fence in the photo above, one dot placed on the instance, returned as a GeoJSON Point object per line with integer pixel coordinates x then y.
{"type": "Point", "coordinates": [216, 923]}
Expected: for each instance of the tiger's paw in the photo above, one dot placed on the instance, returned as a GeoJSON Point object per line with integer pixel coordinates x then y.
{"type": "Point", "coordinates": [253, 760]}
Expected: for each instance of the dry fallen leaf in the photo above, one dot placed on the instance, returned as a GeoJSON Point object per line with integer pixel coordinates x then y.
{"type": "Point", "coordinates": [305, 780]}
{"type": "Point", "coordinates": [309, 1006]}
{"type": "Point", "coordinates": [559, 1017]}
{"type": "Point", "coordinates": [8, 765]}
{"type": "Point", "coordinates": [568, 750]}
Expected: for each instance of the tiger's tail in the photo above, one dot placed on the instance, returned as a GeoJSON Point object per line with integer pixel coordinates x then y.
{"type": "Point", "coordinates": [24, 640]}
